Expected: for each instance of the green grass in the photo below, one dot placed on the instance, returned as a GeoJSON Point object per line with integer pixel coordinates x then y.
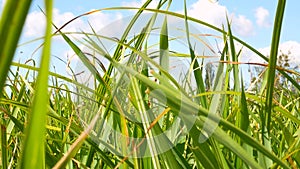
{"type": "Point", "coordinates": [136, 114]}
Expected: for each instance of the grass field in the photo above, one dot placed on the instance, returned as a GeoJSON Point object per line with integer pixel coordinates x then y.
{"type": "Point", "coordinates": [134, 112]}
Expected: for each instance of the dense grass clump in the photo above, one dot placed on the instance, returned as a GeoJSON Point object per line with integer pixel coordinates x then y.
{"type": "Point", "coordinates": [137, 106]}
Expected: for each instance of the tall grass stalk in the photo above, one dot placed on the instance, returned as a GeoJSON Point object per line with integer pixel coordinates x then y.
{"type": "Point", "coordinates": [11, 24]}
{"type": "Point", "coordinates": [35, 130]}
{"type": "Point", "coordinates": [273, 61]}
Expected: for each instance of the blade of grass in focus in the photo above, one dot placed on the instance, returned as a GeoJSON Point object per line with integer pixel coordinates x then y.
{"type": "Point", "coordinates": [272, 63]}
{"type": "Point", "coordinates": [34, 145]}
{"type": "Point", "coordinates": [196, 67]}
{"type": "Point", "coordinates": [164, 46]}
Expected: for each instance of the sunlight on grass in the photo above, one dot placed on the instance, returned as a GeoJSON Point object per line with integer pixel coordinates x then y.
{"type": "Point", "coordinates": [153, 100]}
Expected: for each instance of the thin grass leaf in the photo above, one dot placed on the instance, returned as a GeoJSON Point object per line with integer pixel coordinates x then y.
{"type": "Point", "coordinates": [4, 153]}
{"type": "Point", "coordinates": [244, 123]}
{"type": "Point", "coordinates": [33, 149]}
{"type": "Point", "coordinates": [196, 66]}
{"type": "Point", "coordinates": [234, 58]}
{"type": "Point", "coordinates": [11, 24]}
{"type": "Point", "coordinates": [76, 145]}
{"type": "Point", "coordinates": [227, 141]}
{"type": "Point", "coordinates": [117, 53]}
{"type": "Point", "coordinates": [90, 157]}
{"type": "Point", "coordinates": [164, 46]}
{"type": "Point", "coordinates": [84, 59]}
{"type": "Point", "coordinates": [202, 152]}
{"type": "Point", "coordinates": [58, 76]}
{"type": "Point", "coordinates": [273, 61]}
{"type": "Point", "coordinates": [244, 118]}
{"type": "Point", "coordinates": [145, 120]}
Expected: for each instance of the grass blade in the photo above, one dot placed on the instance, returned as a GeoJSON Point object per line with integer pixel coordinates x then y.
{"type": "Point", "coordinates": [34, 149]}
{"type": "Point", "coordinates": [118, 50]}
{"type": "Point", "coordinates": [273, 61]}
{"type": "Point", "coordinates": [76, 145]}
{"type": "Point", "coordinates": [234, 58]}
{"type": "Point", "coordinates": [3, 146]}
{"type": "Point", "coordinates": [144, 116]}
{"type": "Point", "coordinates": [196, 66]}
{"type": "Point", "coordinates": [11, 24]}
{"type": "Point", "coordinates": [164, 46]}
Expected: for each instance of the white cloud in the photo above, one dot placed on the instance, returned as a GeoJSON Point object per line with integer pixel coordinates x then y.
{"type": "Point", "coordinates": [140, 3]}
{"type": "Point", "coordinates": [215, 14]}
{"type": "Point", "coordinates": [99, 20]}
{"type": "Point", "coordinates": [262, 17]}
{"type": "Point", "coordinates": [61, 18]}
{"type": "Point", "coordinates": [207, 11]}
{"type": "Point", "coordinates": [35, 22]}
{"type": "Point", "coordinates": [242, 25]}
{"type": "Point", "coordinates": [291, 48]}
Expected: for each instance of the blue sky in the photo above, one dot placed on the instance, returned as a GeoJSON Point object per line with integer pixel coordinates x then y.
{"type": "Point", "coordinates": [243, 8]}
{"type": "Point", "coordinates": [252, 21]}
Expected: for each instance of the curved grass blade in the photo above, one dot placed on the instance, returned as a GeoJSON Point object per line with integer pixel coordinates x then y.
{"type": "Point", "coordinates": [84, 59]}
{"type": "Point", "coordinates": [272, 62]}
